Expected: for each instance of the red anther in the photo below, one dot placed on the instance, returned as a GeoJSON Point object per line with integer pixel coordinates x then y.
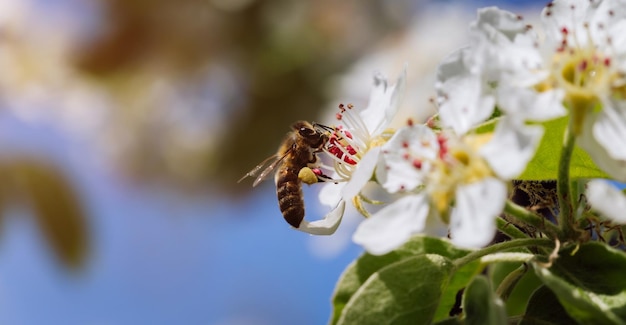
{"type": "Point", "coordinates": [338, 116]}
{"type": "Point", "coordinates": [431, 123]}
{"type": "Point", "coordinates": [402, 187]}
{"type": "Point", "coordinates": [417, 163]}
{"type": "Point", "coordinates": [443, 149]}
{"type": "Point", "coordinates": [317, 171]}
{"type": "Point", "coordinates": [349, 160]}
{"type": "Point", "coordinates": [441, 139]}
{"type": "Point", "coordinates": [348, 134]}
{"type": "Point", "coordinates": [607, 62]}
{"type": "Point", "coordinates": [350, 106]}
{"type": "Point", "coordinates": [443, 152]}
{"type": "Point", "coordinates": [406, 156]}
{"type": "Point", "coordinates": [520, 17]}
{"type": "Point", "coordinates": [351, 150]}
{"type": "Point", "coordinates": [564, 31]}
{"type": "Point", "coordinates": [405, 144]}
{"type": "Point", "coordinates": [583, 65]}
{"type": "Point", "coordinates": [409, 122]}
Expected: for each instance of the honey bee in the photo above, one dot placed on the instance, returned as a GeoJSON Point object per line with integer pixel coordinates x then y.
{"type": "Point", "coordinates": [297, 152]}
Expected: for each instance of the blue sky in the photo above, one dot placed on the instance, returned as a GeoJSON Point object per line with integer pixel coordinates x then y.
{"type": "Point", "coordinates": [160, 258]}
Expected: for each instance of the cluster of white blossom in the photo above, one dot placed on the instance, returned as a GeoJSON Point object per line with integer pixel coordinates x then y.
{"type": "Point", "coordinates": [452, 175]}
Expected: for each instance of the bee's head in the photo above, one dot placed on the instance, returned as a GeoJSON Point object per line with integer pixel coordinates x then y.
{"type": "Point", "coordinates": [311, 133]}
{"type": "Point", "coordinates": [304, 129]}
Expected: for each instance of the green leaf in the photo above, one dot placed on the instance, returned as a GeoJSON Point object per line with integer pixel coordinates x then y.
{"type": "Point", "coordinates": [590, 284]}
{"type": "Point", "coordinates": [517, 300]}
{"type": "Point", "coordinates": [450, 321]}
{"type": "Point", "coordinates": [544, 164]}
{"type": "Point", "coordinates": [366, 265]}
{"type": "Point", "coordinates": [481, 305]}
{"type": "Point", "coordinates": [487, 127]}
{"type": "Point", "coordinates": [544, 308]}
{"type": "Point", "coordinates": [460, 279]}
{"type": "Point", "coordinates": [405, 292]}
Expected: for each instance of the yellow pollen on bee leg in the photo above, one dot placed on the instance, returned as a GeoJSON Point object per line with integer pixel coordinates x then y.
{"type": "Point", "coordinates": [307, 176]}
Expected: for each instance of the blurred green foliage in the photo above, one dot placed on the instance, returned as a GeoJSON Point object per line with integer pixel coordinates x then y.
{"type": "Point", "coordinates": [54, 203]}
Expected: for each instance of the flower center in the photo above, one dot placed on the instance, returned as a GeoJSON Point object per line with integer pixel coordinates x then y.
{"type": "Point", "coordinates": [349, 141]}
{"type": "Point", "coordinates": [459, 163]}
{"type": "Point", "coordinates": [584, 72]}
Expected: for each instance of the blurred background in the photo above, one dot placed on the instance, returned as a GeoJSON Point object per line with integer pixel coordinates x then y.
{"type": "Point", "coordinates": [125, 125]}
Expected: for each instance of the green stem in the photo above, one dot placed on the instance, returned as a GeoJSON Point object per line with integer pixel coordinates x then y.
{"type": "Point", "coordinates": [499, 247]}
{"type": "Point", "coordinates": [509, 229]}
{"type": "Point", "coordinates": [531, 218]}
{"type": "Point", "coordinates": [566, 218]}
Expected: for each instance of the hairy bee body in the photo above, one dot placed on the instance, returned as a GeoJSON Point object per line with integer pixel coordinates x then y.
{"type": "Point", "coordinates": [297, 151]}
{"type": "Point", "coordinates": [290, 198]}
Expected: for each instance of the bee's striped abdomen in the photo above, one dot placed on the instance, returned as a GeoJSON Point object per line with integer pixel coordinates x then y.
{"type": "Point", "coordinates": [289, 194]}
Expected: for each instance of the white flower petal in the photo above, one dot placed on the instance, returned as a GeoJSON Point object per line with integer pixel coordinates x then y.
{"type": "Point", "coordinates": [618, 41]}
{"type": "Point", "coordinates": [477, 205]}
{"type": "Point", "coordinates": [572, 15]}
{"type": "Point", "coordinates": [396, 170]}
{"type": "Point", "coordinates": [330, 194]}
{"type": "Point", "coordinates": [610, 128]}
{"type": "Point", "coordinates": [392, 226]}
{"type": "Point", "coordinates": [384, 103]}
{"type": "Point", "coordinates": [464, 100]}
{"type": "Point", "coordinates": [326, 226]}
{"type": "Point", "coordinates": [527, 104]}
{"type": "Point", "coordinates": [607, 200]}
{"type": "Point", "coordinates": [497, 23]}
{"type": "Point", "coordinates": [503, 46]}
{"type": "Point", "coordinates": [511, 148]}
{"type": "Point", "coordinates": [614, 167]}
{"type": "Point", "coordinates": [363, 174]}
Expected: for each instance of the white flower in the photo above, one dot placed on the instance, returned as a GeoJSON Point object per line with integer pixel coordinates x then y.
{"type": "Point", "coordinates": [445, 179]}
{"type": "Point", "coordinates": [474, 79]}
{"type": "Point", "coordinates": [577, 64]}
{"type": "Point", "coordinates": [355, 143]}
{"type": "Point", "coordinates": [607, 200]}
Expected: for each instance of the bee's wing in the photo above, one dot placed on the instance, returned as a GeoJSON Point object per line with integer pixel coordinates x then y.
{"type": "Point", "coordinates": [264, 169]}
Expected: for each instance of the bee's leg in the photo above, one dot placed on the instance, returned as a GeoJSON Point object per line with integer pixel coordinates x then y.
{"type": "Point", "coordinates": [321, 177]}
{"type": "Point", "coordinates": [308, 176]}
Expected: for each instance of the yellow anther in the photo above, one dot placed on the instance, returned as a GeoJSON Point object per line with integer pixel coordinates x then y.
{"type": "Point", "coordinates": [358, 204]}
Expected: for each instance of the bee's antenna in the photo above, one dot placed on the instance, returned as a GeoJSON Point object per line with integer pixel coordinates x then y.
{"type": "Point", "coordinates": [323, 127]}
